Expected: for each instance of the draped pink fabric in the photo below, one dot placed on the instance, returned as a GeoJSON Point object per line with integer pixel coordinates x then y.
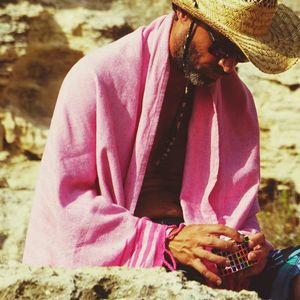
{"type": "Point", "coordinates": [99, 142]}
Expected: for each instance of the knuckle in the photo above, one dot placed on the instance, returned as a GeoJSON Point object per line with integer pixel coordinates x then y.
{"type": "Point", "coordinates": [229, 245]}
{"type": "Point", "coordinates": [205, 273]}
{"type": "Point", "coordinates": [209, 239]}
{"type": "Point", "coordinates": [190, 260]}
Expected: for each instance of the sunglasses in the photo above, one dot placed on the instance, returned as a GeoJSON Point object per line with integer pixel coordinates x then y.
{"type": "Point", "coordinates": [222, 47]}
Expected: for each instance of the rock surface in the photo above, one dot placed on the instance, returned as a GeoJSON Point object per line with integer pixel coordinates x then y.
{"type": "Point", "coordinates": [21, 282]}
{"type": "Point", "coordinates": [17, 179]}
{"type": "Point", "coordinates": [278, 106]}
{"type": "Point", "coordinates": [39, 42]}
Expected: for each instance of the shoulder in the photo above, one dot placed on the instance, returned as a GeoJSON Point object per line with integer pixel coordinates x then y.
{"type": "Point", "coordinates": [105, 64]}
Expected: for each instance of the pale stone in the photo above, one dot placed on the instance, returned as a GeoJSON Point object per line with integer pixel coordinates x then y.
{"type": "Point", "coordinates": [17, 281]}
{"type": "Point", "coordinates": [9, 124]}
{"type": "Point", "coordinates": [2, 136]}
{"type": "Point", "coordinates": [278, 108]}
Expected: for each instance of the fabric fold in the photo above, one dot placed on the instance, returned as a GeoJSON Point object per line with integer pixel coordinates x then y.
{"type": "Point", "coordinates": [221, 175]}
{"type": "Point", "coordinates": [84, 200]}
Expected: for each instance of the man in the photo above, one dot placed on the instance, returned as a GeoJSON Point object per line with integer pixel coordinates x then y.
{"type": "Point", "coordinates": [153, 151]}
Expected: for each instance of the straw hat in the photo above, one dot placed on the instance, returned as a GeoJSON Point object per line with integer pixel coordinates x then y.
{"type": "Point", "coordinates": [268, 33]}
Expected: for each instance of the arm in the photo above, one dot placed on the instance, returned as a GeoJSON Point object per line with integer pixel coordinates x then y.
{"type": "Point", "coordinates": [79, 216]}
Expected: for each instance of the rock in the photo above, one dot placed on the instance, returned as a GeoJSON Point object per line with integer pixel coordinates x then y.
{"type": "Point", "coordinates": [2, 136]}
{"type": "Point", "coordinates": [39, 42]}
{"type": "Point", "coordinates": [17, 180]}
{"type": "Point", "coordinates": [18, 281]}
{"type": "Point", "coordinates": [21, 133]}
{"type": "Point", "coordinates": [294, 5]}
{"type": "Point", "coordinates": [278, 106]}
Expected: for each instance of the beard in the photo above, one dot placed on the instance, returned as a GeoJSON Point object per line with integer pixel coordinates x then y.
{"type": "Point", "coordinates": [203, 76]}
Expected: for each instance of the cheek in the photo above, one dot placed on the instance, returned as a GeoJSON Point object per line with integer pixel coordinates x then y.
{"type": "Point", "coordinates": [205, 62]}
{"type": "Point", "coordinates": [201, 45]}
{"type": "Point", "coordinates": [201, 56]}
{"type": "Point", "coordinates": [207, 59]}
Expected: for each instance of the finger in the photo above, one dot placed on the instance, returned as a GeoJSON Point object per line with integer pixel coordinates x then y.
{"type": "Point", "coordinates": [252, 256]}
{"type": "Point", "coordinates": [256, 239]}
{"type": "Point", "coordinates": [257, 247]}
{"type": "Point", "coordinates": [258, 254]}
{"type": "Point", "coordinates": [227, 231]}
{"type": "Point", "coordinates": [211, 257]}
{"type": "Point", "coordinates": [215, 242]}
{"type": "Point", "coordinates": [202, 269]}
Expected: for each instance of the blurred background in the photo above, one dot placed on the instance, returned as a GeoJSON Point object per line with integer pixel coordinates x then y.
{"type": "Point", "coordinates": [41, 40]}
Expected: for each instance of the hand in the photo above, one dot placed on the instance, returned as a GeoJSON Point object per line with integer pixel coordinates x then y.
{"type": "Point", "coordinates": [192, 245]}
{"type": "Point", "coordinates": [261, 249]}
{"type": "Point", "coordinates": [241, 279]}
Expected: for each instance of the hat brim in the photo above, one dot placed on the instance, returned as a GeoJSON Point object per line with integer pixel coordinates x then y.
{"type": "Point", "coordinates": [279, 49]}
{"type": "Point", "coordinates": [274, 52]}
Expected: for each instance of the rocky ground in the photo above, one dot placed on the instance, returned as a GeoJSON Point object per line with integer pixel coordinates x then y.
{"type": "Point", "coordinates": [20, 282]}
{"type": "Point", "coordinates": [39, 41]}
{"type": "Point", "coordinates": [17, 179]}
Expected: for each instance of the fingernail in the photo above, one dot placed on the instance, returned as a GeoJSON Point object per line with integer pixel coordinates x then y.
{"type": "Point", "coordinates": [228, 263]}
{"type": "Point", "coordinates": [219, 282]}
{"type": "Point", "coordinates": [252, 256]}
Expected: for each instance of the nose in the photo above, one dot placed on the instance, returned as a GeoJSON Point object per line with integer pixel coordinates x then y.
{"type": "Point", "coordinates": [227, 64]}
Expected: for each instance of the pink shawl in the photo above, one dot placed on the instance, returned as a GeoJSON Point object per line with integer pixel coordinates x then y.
{"type": "Point", "coordinates": [99, 142]}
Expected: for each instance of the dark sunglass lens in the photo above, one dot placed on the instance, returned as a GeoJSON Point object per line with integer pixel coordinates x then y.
{"type": "Point", "coordinates": [217, 50]}
{"type": "Point", "coordinates": [223, 48]}
{"type": "Point", "coordinates": [235, 52]}
{"type": "Point", "coordinates": [238, 55]}
{"type": "Point", "coordinates": [242, 58]}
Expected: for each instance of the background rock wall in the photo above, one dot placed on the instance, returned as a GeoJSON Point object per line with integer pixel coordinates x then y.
{"type": "Point", "coordinates": [39, 42]}
{"type": "Point", "coordinates": [277, 100]}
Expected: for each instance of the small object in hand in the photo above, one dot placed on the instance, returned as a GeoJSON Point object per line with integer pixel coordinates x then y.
{"type": "Point", "coordinates": [238, 259]}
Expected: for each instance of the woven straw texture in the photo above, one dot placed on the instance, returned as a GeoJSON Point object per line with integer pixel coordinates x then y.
{"type": "Point", "coordinates": [267, 32]}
